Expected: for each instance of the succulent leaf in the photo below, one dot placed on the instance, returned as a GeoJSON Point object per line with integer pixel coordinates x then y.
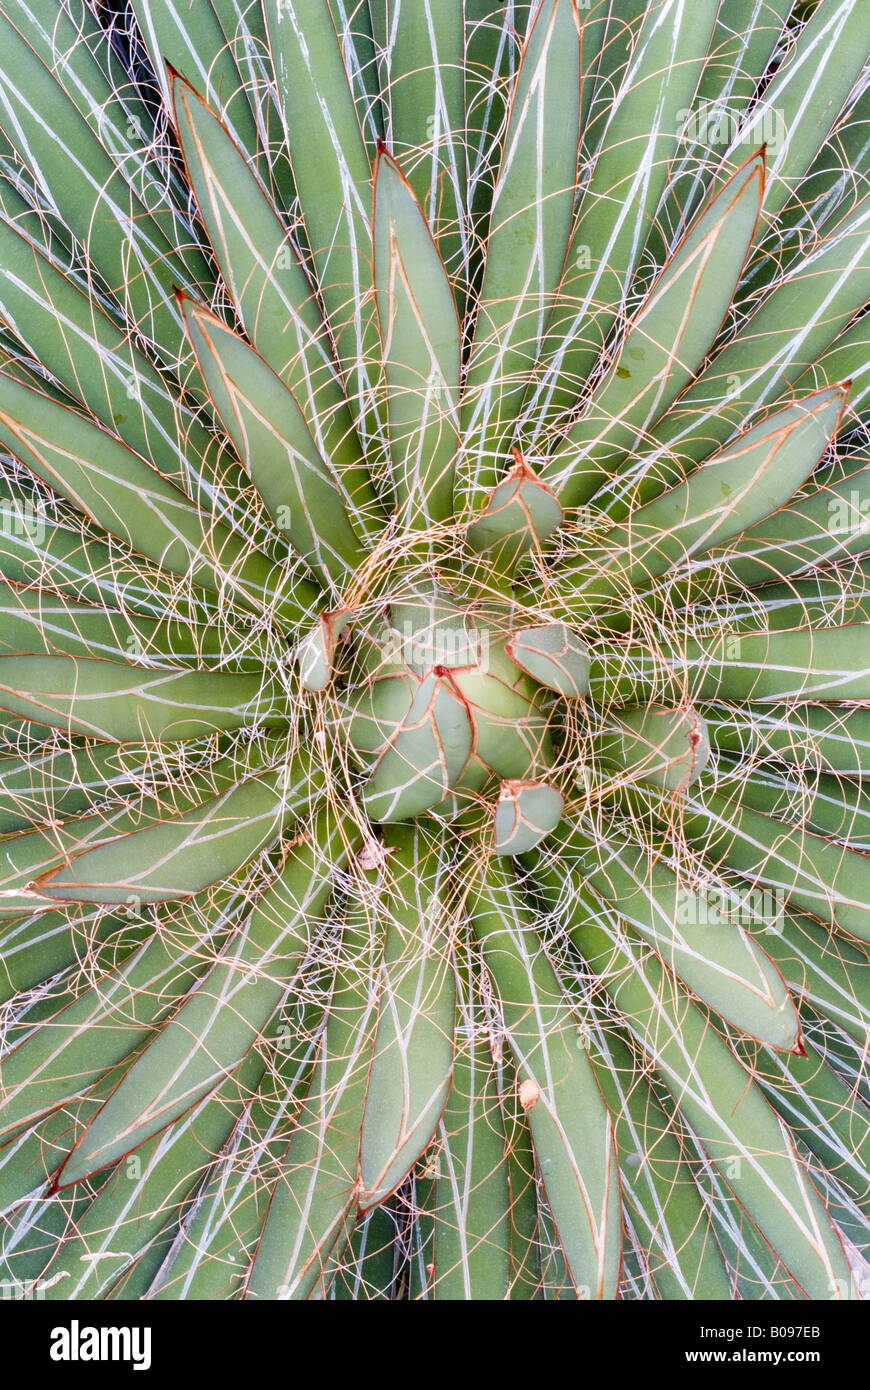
{"type": "Point", "coordinates": [434, 649]}
{"type": "Point", "coordinates": [554, 656]}
{"type": "Point", "coordinates": [526, 812]}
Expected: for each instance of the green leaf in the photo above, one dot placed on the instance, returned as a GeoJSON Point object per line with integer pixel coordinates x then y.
{"type": "Point", "coordinates": [571, 1129]}
{"type": "Point", "coordinates": [219, 1231]}
{"type": "Point", "coordinates": [831, 738]}
{"type": "Point", "coordinates": [827, 525]}
{"type": "Point", "coordinates": [829, 973]}
{"type": "Point", "coordinates": [718, 961]}
{"type": "Point", "coordinates": [315, 652]}
{"type": "Point", "coordinates": [195, 45]}
{"type": "Point", "coordinates": [667, 747]}
{"type": "Point", "coordinates": [266, 281]}
{"type": "Point", "coordinates": [827, 664]}
{"type": "Point", "coordinates": [34, 948]}
{"type": "Point", "coordinates": [314, 1204]}
{"type": "Point", "coordinates": [103, 211]}
{"type": "Point", "coordinates": [105, 700]}
{"type": "Point", "coordinates": [35, 622]}
{"type": "Point", "coordinates": [738, 1131]}
{"type": "Point", "coordinates": [742, 484]}
{"type": "Point", "coordinates": [621, 197]}
{"type": "Point", "coordinates": [822, 1110]}
{"type": "Point", "coordinates": [423, 85]}
{"type": "Point", "coordinates": [334, 182]}
{"type": "Point", "coordinates": [47, 543]}
{"type": "Point", "coordinates": [665, 343]}
{"type": "Point", "coordinates": [425, 757]}
{"type": "Point", "coordinates": [143, 1197]}
{"type": "Point", "coordinates": [122, 1010]}
{"type": "Point", "coordinates": [411, 1069]}
{"type": "Point", "coordinates": [794, 324]}
{"type": "Point", "coordinates": [183, 855]}
{"type": "Point", "coordinates": [98, 362]}
{"type": "Point", "coordinates": [303, 497]}
{"type": "Point", "coordinates": [126, 497]}
{"type": "Point", "coordinates": [494, 35]}
{"type": "Point", "coordinates": [421, 349]}
{"type": "Point", "coordinates": [529, 228]}
{"type": "Point", "coordinates": [32, 1156]}
{"type": "Point", "coordinates": [472, 1189]}
{"type": "Point", "coordinates": [85, 62]}
{"type": "Point", "coordinates": [815, 874]}
{"type": "Point", "coordinates": [836, 807]}
{"type": "Point", "coordinates": [518, 515]}
{"type": "Point", "coordinates": [803, 99]}
{"type": "Point", "coordinates": [27, 857]}
{"type": "Point", "coordinates": [43, 782]}
{"type": "Point", "coordinates": [526, 812]}
{"type": "Point", "coordinates": [224, 1016]}
{"type": "Point", "coordinates": [741, 48]}
{"type": "Point", "coordinates": [669, 1220]}
{"type": "Point", "coordinates": [554, 656]}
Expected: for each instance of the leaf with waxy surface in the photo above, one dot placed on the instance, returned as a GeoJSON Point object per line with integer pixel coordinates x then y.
{"type": "Point", "coordinates": [303, 497]}
{"type": "Point", "coordinates": [748, 480]}
{"type": "Point", "coordinates": [223, 1017]}
{"type": "Point", "coordinates": [571, 1128]}
{"type": "Point", "coordinates": [472, 1198]}
{"type": "Point", "coordinates": [105, 700]}
{"type": "Point", "coordinates": [128, 498]}
{"type": "Point", "coordinates": [263, 272]}
{"type": "Point", "coordinates": [123, 1009]}
{"type": "Point", "coordinates": [426, 755]}
{"type": "Point", "coordinates": [665, 342]}
{"type": "Point", "coordinates": [421, 346]}
{"type": "Point", "coordinates": [334, 181]}
{"type": "Point", "coordinates": [181, 856]}
{"type": "Point", "coordinates": [519, 514]}
{"type": "Point", "coordinates": [718, 961]}
{"type": "Point", "coordinates": [529, 227]}
{"type": "Point", "coordinates": [313, 1206]}
{"type": "Point", "coordinates": [524, 814]}
{"type": "Point", "coordinates": [621, 197]}
{"type": "Point", "coordinates": [412, 1064]}
{"type": "Point", "coordinates": [554, 656]}
{"type": "Point", "coordinates": [815, 874]}
{"type": "Point", "coordinates": [721, 1105]}
{"type": "Point", "coordinates": [669, 748]}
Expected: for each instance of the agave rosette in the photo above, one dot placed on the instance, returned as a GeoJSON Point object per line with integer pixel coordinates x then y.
{"type": "Point", "coordinates": [434, 655]}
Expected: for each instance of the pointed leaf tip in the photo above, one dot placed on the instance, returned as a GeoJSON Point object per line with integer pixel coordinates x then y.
{"type": "Point", "coordinates": [554, 656]}
{"type": "Point", "coordinates": [666, 747]}
{"type": "Point", "coordinates": [520, 513]}
{"type": "Point", "coordinates": [525, 813]}
{"type": "Point", "coordinates": [315, 652]}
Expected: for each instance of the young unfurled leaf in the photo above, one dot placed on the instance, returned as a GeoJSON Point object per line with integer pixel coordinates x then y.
{"type": "Point", "coordinates": [520, 513]}
{"type": "Point", "coordinates": [553, 655]}
{"type": "Point", "coordinates": [525, 813]}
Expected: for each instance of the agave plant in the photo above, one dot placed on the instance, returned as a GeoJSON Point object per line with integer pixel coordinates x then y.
{"type": "Point", "coordinates": [435, 654]}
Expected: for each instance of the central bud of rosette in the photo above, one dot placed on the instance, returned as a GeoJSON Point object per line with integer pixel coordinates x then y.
{"type": "Point", "coordinates": [446, 705]}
